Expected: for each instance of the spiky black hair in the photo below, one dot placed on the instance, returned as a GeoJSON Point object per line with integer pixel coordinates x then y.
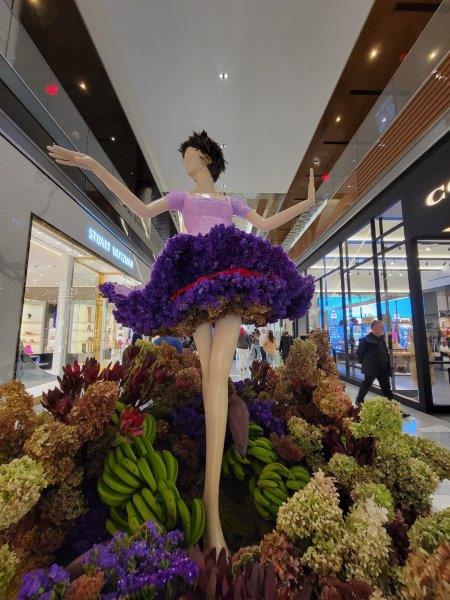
{"type": "Point", "coordinates": [201, 141]}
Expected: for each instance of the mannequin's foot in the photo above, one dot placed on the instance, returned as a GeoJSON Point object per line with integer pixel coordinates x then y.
{"type": "Point", "coordinates": [213, 538]}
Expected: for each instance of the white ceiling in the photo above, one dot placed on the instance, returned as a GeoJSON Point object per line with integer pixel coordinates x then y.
{"type": "Point", "coordinates": [284, 58]}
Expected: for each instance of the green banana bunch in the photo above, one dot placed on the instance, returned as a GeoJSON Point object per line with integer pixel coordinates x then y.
{"type": "Point", "coordinates": [139, 485]}
{"type": "Point", "coordinates": [274, 485]}
{"type": "Point", "coordinates": [260, 452]}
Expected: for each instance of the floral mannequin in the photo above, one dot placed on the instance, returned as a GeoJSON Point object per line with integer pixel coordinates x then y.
{"type": "Point", "coordinates": [207, 283]}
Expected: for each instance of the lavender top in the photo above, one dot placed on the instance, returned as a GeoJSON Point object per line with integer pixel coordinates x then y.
{"type": "Point", "coordinates": [200, 214]}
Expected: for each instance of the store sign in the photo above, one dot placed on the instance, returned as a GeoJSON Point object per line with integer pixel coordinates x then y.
{"type": "Point", "coordinates": [437, 195]}
{"type": "Point", "coordinates": [108, 246]}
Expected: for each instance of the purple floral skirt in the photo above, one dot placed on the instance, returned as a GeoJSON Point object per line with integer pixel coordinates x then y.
{"type": "Point", "coordinates": [202, 278]}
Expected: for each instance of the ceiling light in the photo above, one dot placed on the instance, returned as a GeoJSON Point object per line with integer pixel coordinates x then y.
{"type": "Point", "coordinates": [113, 139]}
{"type": "Point", "coordinates": [446, 230]}
{"type": "Point", "coordinates": [82, 86]}
{"type": "Point", "coordinates": [223, 184]}
{"type": "Point", "coordinates": [428, 248]}
{"type": "Point", "coordinates": [223, 145]}
{"type": "Point", "coordinates": [338, 119]}
{"type": "Point", "coordinates": [223, 75]}
{"type": "Point", "coordinates": [432, 55]}
{"type": "Point", "coordinates": [383, 120]}
{"type": "Point", "coordinates": [401, 274]}
{"type": "Point", "coordinates": [374, 53]}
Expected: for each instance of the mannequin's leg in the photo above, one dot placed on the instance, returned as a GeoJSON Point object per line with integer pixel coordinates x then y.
{"type": "Point", "coordinates": [203, 339]}
{"type": "Point", "coordinates": [226, 333]}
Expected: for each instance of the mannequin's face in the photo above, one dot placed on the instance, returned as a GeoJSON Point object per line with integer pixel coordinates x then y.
{"type": "Point", "coordinates": [195, 162]}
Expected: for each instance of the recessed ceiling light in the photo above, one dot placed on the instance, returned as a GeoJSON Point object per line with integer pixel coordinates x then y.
{"type": "Point", "coordinates": [338, 119]}
{"type": "Point", "coordinates": [433, 55]}
{"type": "Point", "coordinates": [82, 86]}
{"type": "Point", "coordinates": [383, 120]}
{"type": "Point", "coordinates": [446, 230]}
{"type": "Point", "coordinates": [223, 75]}
{"type": "Point", "coordinates": [374, 53]}
{"type": "Point", "coordinates": [113, 139]}
{"type": "Point", "coordinates": [223, 145]}
{"type": "Point", "coordinates": [428, 248]}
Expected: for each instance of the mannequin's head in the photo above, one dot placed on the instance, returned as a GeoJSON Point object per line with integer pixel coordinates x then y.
{"type": "Point", "coordinates": [199, 152]}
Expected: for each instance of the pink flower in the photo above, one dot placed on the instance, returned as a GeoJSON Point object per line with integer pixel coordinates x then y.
{"type": "Point", "coordinates": [131, 422]}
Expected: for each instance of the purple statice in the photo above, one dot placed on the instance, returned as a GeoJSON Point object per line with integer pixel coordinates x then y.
{"type": "Point", "coordinates": [186, 419]}
{"type": "Point", "coordinates": [44, 584]}
{"type": "Point", "coordinates": [261, 413]}
{"type": "Point", "coordinates": [274, 285]}
{"type": "Point", "coordinates": [153, 566]}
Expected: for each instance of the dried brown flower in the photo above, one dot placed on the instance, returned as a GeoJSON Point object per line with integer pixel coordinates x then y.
{"type": "Point", "coordinates": [286, 448]}
{"type": "Point", "coordinates": [427, 577]}
{"type": "Point", "coordinates": [276, 550]}
{"type": "Point", "coordinates": [17, 419]}
{"type": "Point", "coordinates": [86, 587]}
{"type": "Point", "coordinates": [93, 411]}
{"type": "Point", "coordinates": [62, 503]}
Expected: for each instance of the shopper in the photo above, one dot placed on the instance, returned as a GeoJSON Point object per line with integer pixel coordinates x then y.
{"type": "Point", "coordinates": [285, 344]}
{"type": "Point", "coordinates": [243, 347]}
{"type": "Point", "coordinates": [375, 362]}
{"type": "Point", "coordinates": [270, 348]}
{"type": "Point", "coordinates": [255, 351]}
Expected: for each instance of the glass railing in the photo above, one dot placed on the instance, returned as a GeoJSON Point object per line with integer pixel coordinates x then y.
{"type": "Point", "coordinates": [422, 61]}
{"type": "Point", "coordinates": [19, 51]}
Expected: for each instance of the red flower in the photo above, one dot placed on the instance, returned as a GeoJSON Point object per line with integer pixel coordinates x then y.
{"type": "Point", "coordinates": [131, 422]}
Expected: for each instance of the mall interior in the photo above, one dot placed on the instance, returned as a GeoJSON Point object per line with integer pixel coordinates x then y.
{"type": "Point", "coordinates": [356, 91]}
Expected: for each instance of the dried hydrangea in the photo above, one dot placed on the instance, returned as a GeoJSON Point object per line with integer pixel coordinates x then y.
{"type": "Point", "coordinates": [427, 577]}
{"type": "Point", "coordinates": [277, 550]}
{"type": "Point", "coordinates": [8, 568]}
{"type": "Point", "coordinates": [244, 556]}
{"type": "Point", "coordinates": [313, 515]}
{"type": "Point", "coordinates": [330, 397]}
{"type": "Point", "coordinates": [346, 470]}
{"type": "Point", "coordinates": [86, 587]}
{"type": "Point", "coordinates": [286, 448]}
{"type": "Point", "coordinates": [17, 419]}
{"type": "Point", "coordinates": [54, 445]}
{"type": "Point", "coordinates": [427, 533]}
{"type": "Point", "coordinates": [379, 418]}
{"type": "Point", "coordinates": [63, 503]}
{"type": "Point", "coordinates": [367, 544]}
{"type": "Point", "coordinates": [321, 339]}
{"type": "Point", "coordinates": [437, 457]}
{"type": "Point", "coordinates": [308, 439]}
{"type": "Point", "coordinates": [92, 414]}
{"type": "Point", "coordinates": [301, 364]}
{"type": "Point", "coordinates": [21, 482]}
{"type": "Point", "coordinates": [378, 492]}
{"type": "Point", "coordinates": [334, 589]}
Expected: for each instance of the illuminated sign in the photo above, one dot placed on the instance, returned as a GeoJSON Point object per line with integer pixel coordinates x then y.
{"type": "Point", "coordinates": [438, 194]}
{"type": "Point", "coordinates": [108, 246]}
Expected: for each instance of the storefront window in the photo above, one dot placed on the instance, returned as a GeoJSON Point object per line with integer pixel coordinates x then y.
{"type": "Point", "coordinates": [434, 259]}
{"type": "Point", "coordinates": [331, 308]}
{"type": "Point", "coordinates": [64, 317]}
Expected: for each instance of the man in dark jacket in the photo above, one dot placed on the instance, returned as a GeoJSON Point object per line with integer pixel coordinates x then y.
{"type": "Point", "coordinates": [285, 344]}
{"type": "Point", "coordinates": [374, 357]}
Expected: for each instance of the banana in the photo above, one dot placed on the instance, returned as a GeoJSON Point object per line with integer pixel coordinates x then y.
{"type": "Point", "coordinates": [115, 419]}
{"type": "Point", "coordinates": [140, 446]}
{"type": "Point", "coordinates": [174, 489]}
{"type": "Point", "coordinates": [131, 511]}
{"type": "Point", "coordinates": [109, 462]}
{"type": "Point", "coordinates": [279, 468]}
{"type": "Point", "coordinates": [170, 506]}
{"type": "Point", "coordinates": [133, 523]}
{"type": "Point", "coordinates": [270, 474]}
{"type": "Point", "coordinates": [300, 473]}
{"type": "Point", "coordinates": [197, 521]}
{"type": "Point", "coordinates": [263, 442]}
{"type": "Point", "coordinates": [278, 492]}
{"type": "Point", "coordinates": [272, 498]}
{"type": "Point", "coordinates": [118, 453]}
{"type": "Point", "coordinates": [169, 462]}
{"type": "Point", "coordinates": [273, 509]}
{"type": "Point", "coordinates": [117, 484]}
{"type": "Point", "coordinates": [261, 454]}
{"type": "Point", "coordinates": [146, 474]}
{"type": "Point", "coordinates": [149, 428]}
{"type": "Point", "coordinates": [262, 511]}
{"type": "Point", "coordinates": [123, 474]}
{"type": "Point", "coordinates": [131, 466]}
{"type": "Point", "coordinates": [153, 504]}
{"type": "Point", "coordinates": [225, 465]}
{"type": "Point", "coordinates": [241, 459]}
{"type": "Point", "coordinates": [238, 471]}
{"type": "Point", "coordinates": [147, 444]}
{"type": "Point", "coordinates": [295, 484]}
{"type": "Point", "coordinates": [252, 485]}
{"type": "Point", "coordinates": [255, 430]}
{"type": "Point", "coordinates": [260, 498]}
{"type": "Point", "coordinates": [128, 451]}
{"type": "Point", "coordinates": [110, 496]}
{"type": "Point", "coordinates": [118, 520]}
{"type": "Point", "coordinates": [185, 519]}
{"type": "Point", "coordinates": [282, 487]}
{"type": "Point", "coordinates": [273, 455]}
{"type": "Point", "coordinates": [256, 466]}
{"type": "Point", "coordinates": [266, 483]}
{"type": "Point", "coordinates": [120, 406]}
{"type": "Point", "coordinates": [111, 527]}
{"type": "Point", "coordinates": [143, 508]}
{"type": "Point", "coordinates": [158, 466]}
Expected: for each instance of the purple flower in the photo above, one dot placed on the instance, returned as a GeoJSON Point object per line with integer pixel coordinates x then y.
{"type": "Point", "coordinates": [42, 584]}
{"type": "Point", "coordinates": [261, 413]}
{"type": "Point", "coordinates": [187, 420]}
{"type": "Point", "coordinates": [278, 286]}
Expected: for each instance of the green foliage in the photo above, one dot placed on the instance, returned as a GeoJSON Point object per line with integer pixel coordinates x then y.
{"type": "Point", "coordinates": [380, 494]}
{"type": "Point", "coordinates": [428, 533]}
{"type": "Point", "coordinates": [379, 418]}
{"type": "Point", "coordinates": [437, 457]}
{"type": "Point", "coordinates": [346, 470]}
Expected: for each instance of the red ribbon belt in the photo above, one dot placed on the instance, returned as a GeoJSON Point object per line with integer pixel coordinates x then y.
{"type": "Point", "coordinates": [238, 270]}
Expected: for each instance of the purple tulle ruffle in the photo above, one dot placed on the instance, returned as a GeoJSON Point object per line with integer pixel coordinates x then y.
{"type": "Point", "coordinates": [275, 290]}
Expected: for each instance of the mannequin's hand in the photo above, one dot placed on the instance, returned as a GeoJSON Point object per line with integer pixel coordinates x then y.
{"type": "Point", "coordinates": [69, 158]}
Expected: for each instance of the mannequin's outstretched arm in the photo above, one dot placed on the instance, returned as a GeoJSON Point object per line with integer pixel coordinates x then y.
{"type": "Point", "coordinates": [83, 161]}
{"type": "Point", "coordinates": [267, 224]}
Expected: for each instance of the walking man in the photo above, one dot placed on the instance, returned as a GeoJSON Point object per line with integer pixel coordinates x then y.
{"type": "Point", "coordinates": [285, 344]}
{"type": "Point", "coordinates": [374, 357]}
